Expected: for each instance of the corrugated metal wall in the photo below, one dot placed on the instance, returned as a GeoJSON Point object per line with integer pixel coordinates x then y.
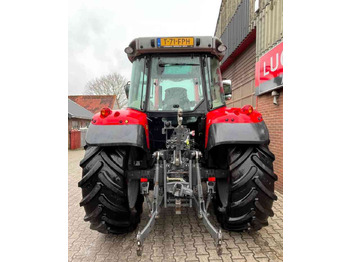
{"type": "Point", "coordinates": [242, 74]}
{"type": "Point", "coordinates": [269, 25]}
{"type": "Point", "coordinates": [227, 9]}
{"type": "Point", "coordinates": [237, 29]}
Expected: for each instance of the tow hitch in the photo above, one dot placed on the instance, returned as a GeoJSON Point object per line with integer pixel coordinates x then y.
{"type": "Point", "coordinates": [177, 193]}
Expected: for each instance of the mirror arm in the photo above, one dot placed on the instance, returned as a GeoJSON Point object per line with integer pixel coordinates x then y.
{"type": "Point", "coordinates": [127, 88]}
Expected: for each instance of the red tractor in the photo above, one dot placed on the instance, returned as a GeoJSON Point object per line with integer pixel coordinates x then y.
{"type": "Point", "coordinates": [176, 134]}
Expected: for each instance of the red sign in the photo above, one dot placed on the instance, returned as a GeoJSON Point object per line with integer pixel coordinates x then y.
{"type": "Point", "coordinates": [269, 70]}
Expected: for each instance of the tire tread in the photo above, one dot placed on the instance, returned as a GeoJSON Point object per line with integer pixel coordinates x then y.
{"type": "Point", "coordinates": [104, 190]}
{"type": "Point", "coordinates": [251, 191]}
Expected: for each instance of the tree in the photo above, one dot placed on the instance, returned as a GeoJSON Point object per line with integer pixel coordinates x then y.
{"type": "Point", "coordinates": [112, 84]}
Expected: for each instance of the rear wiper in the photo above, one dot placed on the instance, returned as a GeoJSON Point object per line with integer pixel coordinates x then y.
{"type": "Point", "coordinates": [176, 64]}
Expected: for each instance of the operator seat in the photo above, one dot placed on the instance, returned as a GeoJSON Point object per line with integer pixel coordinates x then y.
{"type": "Point", "coordinates": [176, 96]}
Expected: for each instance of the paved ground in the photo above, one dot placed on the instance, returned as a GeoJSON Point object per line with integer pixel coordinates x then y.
{"type": "Point", "coordinates": [175, 238]}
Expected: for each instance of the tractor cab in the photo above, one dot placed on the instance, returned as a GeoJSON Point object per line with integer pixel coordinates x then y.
{"type": "Point", "coordinates": [176, 73]}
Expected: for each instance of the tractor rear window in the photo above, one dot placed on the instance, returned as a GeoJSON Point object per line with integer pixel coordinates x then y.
{"type": "Point", "coordinates": [175, 83]}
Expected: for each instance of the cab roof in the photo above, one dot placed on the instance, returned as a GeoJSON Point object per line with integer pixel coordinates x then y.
{"type": "Point", "coordinates": [171, 45]}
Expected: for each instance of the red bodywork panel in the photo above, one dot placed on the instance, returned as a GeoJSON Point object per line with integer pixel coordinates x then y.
{"type": "Point", "coordinates": [230, 115]}
{"type": "Point", "coordinates": [123, 117]}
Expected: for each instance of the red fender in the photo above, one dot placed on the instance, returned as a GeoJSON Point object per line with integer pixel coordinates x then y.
{"type": "Point", "coordinates": [123, 117]}
{"type": "Point", "coordinates": [231, 116]}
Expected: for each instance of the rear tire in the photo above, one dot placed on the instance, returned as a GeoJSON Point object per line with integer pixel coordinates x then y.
{"type": "Point", "coordinates": [251, 190]}
{"type": "Point", "coordinates": [104, 191]}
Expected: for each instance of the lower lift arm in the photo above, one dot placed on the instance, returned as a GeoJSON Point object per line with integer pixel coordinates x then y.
{"type": "Point", "coordinates": [179, 190]}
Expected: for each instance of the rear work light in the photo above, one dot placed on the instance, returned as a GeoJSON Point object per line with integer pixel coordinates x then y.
{"type": "Point", "coordinates": [129, 50]}
{"type": "Point", "coordinates": [247, 109]}
{"type": "Point", "coordinates": [105, 112]}
{"type": "Point", "coordinates": [222, 48]}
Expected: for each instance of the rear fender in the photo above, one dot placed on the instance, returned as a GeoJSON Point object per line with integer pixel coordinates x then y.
{"type": "Point", "coordinates": [124, 127]}
{"type": "Point", "coordinates": [232, 126]}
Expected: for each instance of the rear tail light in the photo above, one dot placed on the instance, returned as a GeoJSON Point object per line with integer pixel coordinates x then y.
{"type": "Point", "coordinates": [143, 179]}
{"type": "Point", "coordinates": [212, 179]}
{"type": "Point", "coordinates": [247, 109]}
{"type": "Point", "coordinates": [105, 112]}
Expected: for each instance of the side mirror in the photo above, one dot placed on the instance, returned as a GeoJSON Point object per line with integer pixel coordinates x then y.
{"type": "Point", "coordinates": [126, 88]}
{"type": "Point", "coordinates": [227, 89]}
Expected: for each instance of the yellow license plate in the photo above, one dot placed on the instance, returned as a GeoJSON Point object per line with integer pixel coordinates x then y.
{"type": "Point", "coordinates": [176, 42]}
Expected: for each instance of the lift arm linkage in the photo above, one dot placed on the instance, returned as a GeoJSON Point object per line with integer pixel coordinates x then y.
{"type": "Point", "coordinates": [198, 199]}
{"type": "Point", "coordinates": [154, 213]}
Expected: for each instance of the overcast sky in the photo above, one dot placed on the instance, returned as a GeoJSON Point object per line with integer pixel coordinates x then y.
{"type": "Point", "coordinates": [100, 30]}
